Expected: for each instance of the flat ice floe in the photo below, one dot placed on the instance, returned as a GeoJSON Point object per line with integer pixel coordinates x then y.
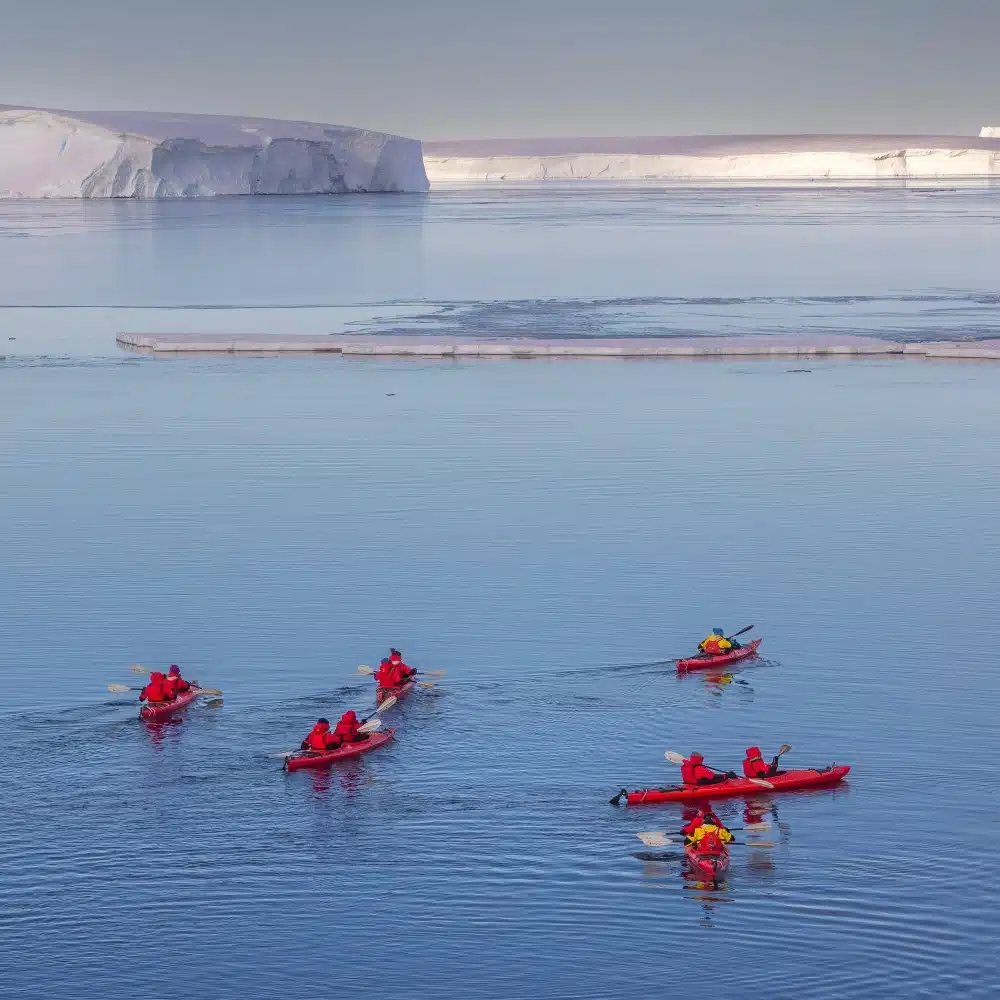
{"type": "Point", "coordinates": [793, 158]}
{"type": "Point", "coordinates": [123, 154]}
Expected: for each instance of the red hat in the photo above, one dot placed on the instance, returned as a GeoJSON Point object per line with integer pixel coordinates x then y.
{"type": "Point", "coordinates": [350, 716]}
{"type": "Point", "coordinates": [696, 758]}
{"type": "Point", "coordinates": [156, 675]}
{"type": "Point", "coordinates": [753, 751]}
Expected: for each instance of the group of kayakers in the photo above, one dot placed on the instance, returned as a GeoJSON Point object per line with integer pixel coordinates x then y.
{"type": "Point", "coordinates": [391, 675]}
{"type": "Point", "coordinates": [163, 688]}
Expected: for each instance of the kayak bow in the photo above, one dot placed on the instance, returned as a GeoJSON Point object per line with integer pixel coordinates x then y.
{"type": "Point", "coordinates": [709, 866]}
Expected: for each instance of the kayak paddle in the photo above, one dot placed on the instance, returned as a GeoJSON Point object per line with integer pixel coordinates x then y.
{"type": "Point", "coordinates": [121, 688]}
{"type": "Point", "coordinates": [365, 669]}
{"type": "Point", "coordinates": [214, 703]}
{"type": "Point", "coordinates": [653, 839]}
{"type": "Point", "coordinates": [741, 631]}
{"type": "Point", "coordinates": [214, 691]}
{"type": "Point", "coordinates": [678, 758]}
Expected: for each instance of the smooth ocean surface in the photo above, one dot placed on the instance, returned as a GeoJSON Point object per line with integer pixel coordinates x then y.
{"type": "Point", "coordinates": [547, 532]}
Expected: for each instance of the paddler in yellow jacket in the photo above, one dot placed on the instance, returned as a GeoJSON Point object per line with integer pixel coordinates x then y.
{"type": "Point", "coordinates": [716, 643]}
{"type": "Point", "coordinates": [706, 833]}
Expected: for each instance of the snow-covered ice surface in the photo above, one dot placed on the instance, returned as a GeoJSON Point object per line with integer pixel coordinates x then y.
{"type": "Point", "coordinates": [129, 154]}
{"type": "Point", "coordinates": [789, 158]}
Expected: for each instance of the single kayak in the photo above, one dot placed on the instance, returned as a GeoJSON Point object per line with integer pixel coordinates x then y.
{"type": "Point", "coordinates": [787, 782]}
{"type": "Point", "coordinates": [704, 662]}
{"type": "Point", "coordinates": [341, 753]}
{"type": "Point", "coordinates": [708, 866]}
{"type": "Point", "coordinates": [398, 692]}
{"type": "Point", "coordinates": [161, 709]}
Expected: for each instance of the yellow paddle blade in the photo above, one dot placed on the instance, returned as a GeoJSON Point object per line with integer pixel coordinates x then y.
{"type": "Point", "coordinates": [426, 684]}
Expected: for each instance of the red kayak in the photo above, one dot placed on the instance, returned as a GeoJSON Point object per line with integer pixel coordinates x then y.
{"type": "Point", "coordinates": [341, 753]}
{"type": "Point", "coordinates": [786, 782]}
{"type": "Point", "coordinates": [161, 709]}
{"type": "Point", "coordinates": [709, 866]}
{"type": "Point", "coordinates": [723, 659]}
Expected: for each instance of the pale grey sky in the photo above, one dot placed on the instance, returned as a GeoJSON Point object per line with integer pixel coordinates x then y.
{"type": "Point", "coordinates": [442, 69]}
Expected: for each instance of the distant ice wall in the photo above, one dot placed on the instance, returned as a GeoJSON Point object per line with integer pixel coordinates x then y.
{"type": "Point", "coordinates": [61, 154]}
{"type": "Point", "coordinates": [713, 158]}
{"type": "Point", "coordinates": [990, 132]}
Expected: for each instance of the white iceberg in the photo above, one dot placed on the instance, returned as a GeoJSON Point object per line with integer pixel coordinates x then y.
{"type": "Point", "coordinates": [111, 154]}
{"type": "Point", "coordinates": [793, 158]}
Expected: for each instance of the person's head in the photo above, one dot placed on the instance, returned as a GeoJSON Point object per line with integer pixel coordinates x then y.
{"type": "Point", "coordinates": [696, 758]}
{"type": "Point", "coordinates": [350, 716]}
{"type": "Point", "coordinates": [157, 675]}
{"type": "Point", "coordinates": [175, 671]}
{"type": "Point", "coordinates": [395, 654]}
{"type": "Point", "coordinates": [718, 632]}
{"type": "Point", "coordinates": [708, 816]}
{"type": "Point", "coordinates": [753, 752]}
{"type": "Point", "coordinates": [323, 725]}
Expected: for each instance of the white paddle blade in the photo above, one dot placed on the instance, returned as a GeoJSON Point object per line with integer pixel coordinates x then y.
{"type": "Point", "coordinates": [364, 669]}
{"type": "Point", "coordinates": [674, 757]}
{"type": "Point", "coordinates": [760, 782]}
{"type": "Point", "coordinates": [653, 838]}
{"type": "Point", "coordinates": [387, 704]}
{"type": "Point", "coordinates": [119, 688]}
{"type": "Point", "coordinates": [370, 727]}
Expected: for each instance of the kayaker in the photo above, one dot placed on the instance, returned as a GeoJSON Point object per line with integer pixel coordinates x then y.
{"type": "Point", "coordinates": [694, 771]}
{"type": "Point", "coordinates": [383, 676]}
{"type": "Point", "coordinates": [157, 691]}
{"type": "Point", "coordinates": [175, 683]}
{"type": "Point", "coordinates": [716, 643]}
{"type": "Point", "coordinates": [754, 766]}
{"type": "Point", "coordinates": [401, 673]}
{"type": "Point", "coordinates": [320, 739]}
{"type": "Point", "coordinates": [709, 837]}
{"type": "Point", "coordinates": [348, 729]}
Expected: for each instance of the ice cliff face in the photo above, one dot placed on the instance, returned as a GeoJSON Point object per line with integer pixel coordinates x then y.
{"type": "Point", "coordinates": [713, 158]}
{"type": "Point", "coordinates": [70, 154]}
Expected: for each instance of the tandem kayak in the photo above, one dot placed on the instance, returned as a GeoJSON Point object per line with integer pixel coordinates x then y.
{"type": "Point", "coordinates": [161, 709]}
{"type": "Point", "coordinates": [373, 742]}
{"type": "Point", "coordinates": [786, 782]}
{"type": "Point", "coordinates": [708, 866]}
{"type": "Point", "coordinates": [706, 662]}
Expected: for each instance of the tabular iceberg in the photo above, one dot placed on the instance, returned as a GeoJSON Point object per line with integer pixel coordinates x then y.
{"type": "Point", "coordinates": [731, 159]}
{"type": "Point", "coordinates": [109, 154]}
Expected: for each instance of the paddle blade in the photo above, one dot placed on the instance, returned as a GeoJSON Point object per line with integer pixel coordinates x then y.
{"type": "Point", "coordinates": [674, 757]}
{"type": "Point", "coordinates": [760, 782]}
{"type": "Point", "coordinates": [653, 838]}
{"type": "Point", "coordinates": [371, 726]}
{"type": "Point", "coordinates": [783, 749]}
{"type": "Point", "coordinates": [364, 669]}
{"type": "Point", "coordinates": [759, 843]}
{"type": "Point", "coordinates": [756, 827]}
{"type": "Point", "coordinates": [137, 669]}
{"type": "Point", "coordinates": [119, 688]}
{"type": "Point", "coordinates": [434, 673]}
{"type": "Point", "coordinates": [426, 684]}
{"type": "Point", "coordinates": [209, 691]}
{"type": "Point", "coordinates": [387, 704]}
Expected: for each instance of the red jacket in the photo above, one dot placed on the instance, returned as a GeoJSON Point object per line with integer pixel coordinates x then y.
{"type": "Point", "coordinates": [756, 767]}
{"type": "Point", "coordinates": [177, 685]}
{"type": "Point", "coordinates": [347, 730]}
{"type": "Point", "coordinates": [693, 771]}
{"type": "Point", "coordinates": [711, 843]}
{"type": "Point", "coordinates": [383, 676]}
{"type": "Point", "coordinates": [319, 738]}
{"type": "Point", "coordinates": [156, 690]}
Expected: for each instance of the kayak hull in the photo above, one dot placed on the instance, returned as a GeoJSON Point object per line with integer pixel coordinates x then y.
{"type": "Point", "coordinates": [788, 782]}
{"type": "Point", "coordinates": [160, 710]}
{"type": "Point", "coordinates": [373, 742]}
{"type": "Point", "coordinates": [398, 692]}
{"type": "Point", "coordinates": [722, 660]}
{"type": "Point", "coordinates": [710, 867]}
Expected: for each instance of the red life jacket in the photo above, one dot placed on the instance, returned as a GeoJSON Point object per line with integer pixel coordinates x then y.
{"type": "Point", "coordinates": [400, 674]}
{"type": "Point", "coordinates": [383, 676]}
{"type": "Point", "coordinates": [755, 767]}
{"type": "Point", "coordinates": [177, 685]}
{"type": "Point", "coordinates": [691, 773]}
{"type": "Point", "coordinates": [347, 728]}
{"type": "Point", "coordinates": [318, 739]}
{"type": "Point", "coordinates": [156, 690]}
{"type": "Point", "coordinates": [711, 843]}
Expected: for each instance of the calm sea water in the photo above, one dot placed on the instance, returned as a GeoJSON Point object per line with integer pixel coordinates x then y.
{"type": "Point", "coordinates": [549, 534]}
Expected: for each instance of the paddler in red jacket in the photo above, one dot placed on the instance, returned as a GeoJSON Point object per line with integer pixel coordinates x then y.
{"type": "Point", "coordinates": [157, 691]}
{"type": "Point", "coordinates": [320, 739]}
{"type": "Point", "coordinates": [401, 673]}
{"type": "Point", "coordinates": [175, 683]}
{"type": "Point", "coordinates": [695, 772]}
{"type": "Point", "coordinates": [348, 730]}
{"type": "Point", "coordinates": [754, 765]}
